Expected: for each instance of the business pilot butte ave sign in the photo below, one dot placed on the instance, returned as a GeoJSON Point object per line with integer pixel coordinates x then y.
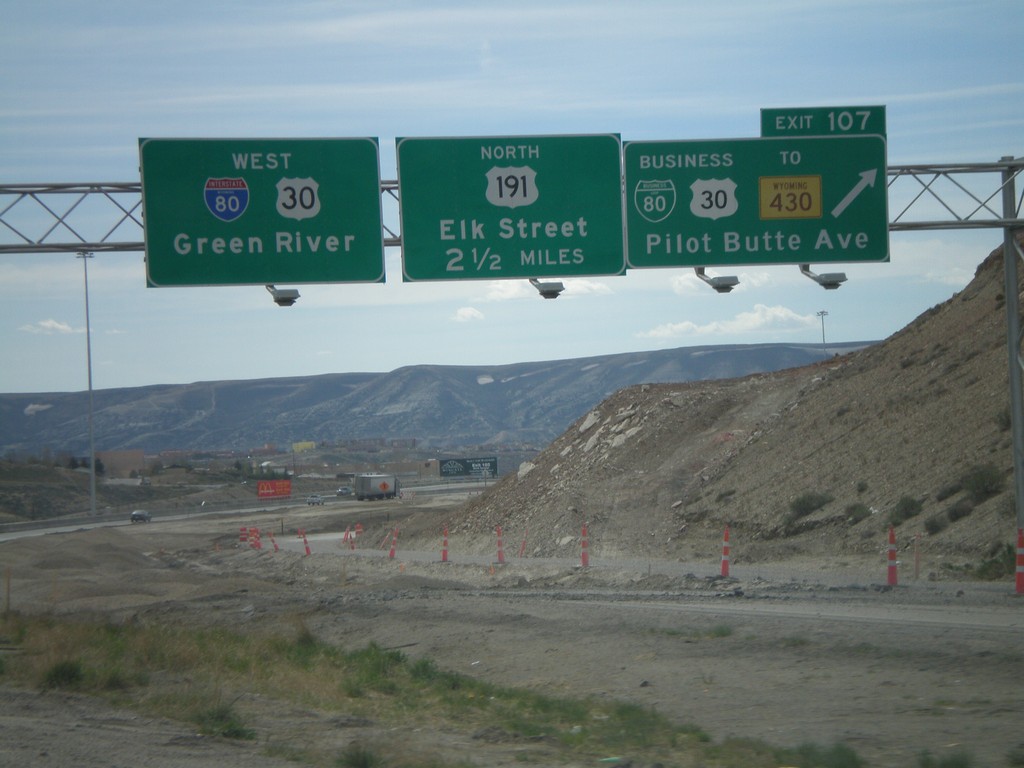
{"type": "Point", "coordinates": [791, 200]}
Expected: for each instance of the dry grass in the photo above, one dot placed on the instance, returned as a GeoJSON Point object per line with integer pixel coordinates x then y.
{"type": "Point", "coordinates": [198, 676]}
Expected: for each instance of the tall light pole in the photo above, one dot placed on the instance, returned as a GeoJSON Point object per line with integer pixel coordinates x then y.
{"type": "Point", "coordinates": [823, 314]}
{"type": "Point", "coordinates": [85, 256]}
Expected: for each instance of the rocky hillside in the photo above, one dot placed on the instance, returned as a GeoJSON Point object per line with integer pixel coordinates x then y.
{"type": "Point", "coordinates": [914, 431]}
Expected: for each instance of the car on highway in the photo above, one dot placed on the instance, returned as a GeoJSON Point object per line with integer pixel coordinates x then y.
{"type": "Point", "coordinates": [345, 490]}
{"type": "Point", "coordinates": [315, 499]}
{"type": "Point", "coordinates": [140, 516]}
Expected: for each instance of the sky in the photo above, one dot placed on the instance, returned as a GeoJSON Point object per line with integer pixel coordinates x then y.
{"type": "Point", "coordinates": [80, 83]}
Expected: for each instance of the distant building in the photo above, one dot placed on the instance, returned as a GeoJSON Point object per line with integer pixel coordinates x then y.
{"type": "Point", "coordinates": [122, 463]}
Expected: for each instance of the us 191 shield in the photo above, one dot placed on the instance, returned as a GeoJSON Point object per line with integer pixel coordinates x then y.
{"type": "Point", "coordinates": [226, 198]}
{"type": "Point", "coordinates": [512, 186]}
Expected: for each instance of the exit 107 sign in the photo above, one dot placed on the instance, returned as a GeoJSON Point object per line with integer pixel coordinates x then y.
{"type": "Point", "coordinates": [756, 201]}
{"type": "Point", "coordinates": [823, 121]}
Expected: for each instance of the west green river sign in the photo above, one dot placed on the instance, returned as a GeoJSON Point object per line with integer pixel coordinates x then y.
{"type": "Point", "coordinates": [257, 211]}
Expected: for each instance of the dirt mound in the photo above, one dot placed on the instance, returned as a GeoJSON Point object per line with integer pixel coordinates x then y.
{"type": "Point", "coordinates": [815, 459]}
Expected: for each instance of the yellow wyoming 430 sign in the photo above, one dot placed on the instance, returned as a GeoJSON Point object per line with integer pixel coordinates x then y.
{"type": "Point", "coordinates": [790, 197]}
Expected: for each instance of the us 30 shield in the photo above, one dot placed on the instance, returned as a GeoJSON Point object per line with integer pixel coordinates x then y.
{"type": "Point", "coordinates": [655, 199]}
{"type": "Point", "coordinates": [512, 186]}
{"type": "Point", "coordinates": [298, 198]}
{"type": "Point", "coordinates": [713, 198]}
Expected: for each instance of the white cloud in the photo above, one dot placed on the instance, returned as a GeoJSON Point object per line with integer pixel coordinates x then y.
{"type": "Point", "coordinates": [583, 287]}
{"type": "Point", "coordinates": [49, 327]}
{"type": "Point", "coordinates": [761, 318]}
{"type": "Point", "coordinates": [467, 315]}
{"type": "Point", "coordinates": [955, 94]}
{"type": "Point", "coordinates": [920, 259]}
{"type": "Point", "coordinates": [684, 284]}
{"type": "Point", "coordinates": [505, 290]}
{"type": "Point", "coordinates": [765, 279]}
{"type": "Point", "coordinates": [688, 284]}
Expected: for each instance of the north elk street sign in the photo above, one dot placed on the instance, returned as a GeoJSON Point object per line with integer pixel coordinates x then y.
{"type": "Point", "coordinates": [756, 201]}
{"type": "Point", "coordinates": [258, 211]}
{"type": "Point", "coordinates": [523, 207]}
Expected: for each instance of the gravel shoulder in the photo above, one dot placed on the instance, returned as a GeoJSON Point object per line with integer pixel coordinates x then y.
{"type": "Point", "coordinates": [787, 651]}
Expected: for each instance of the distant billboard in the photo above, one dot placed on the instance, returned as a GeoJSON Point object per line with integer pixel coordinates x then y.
{"type": "Point", "coordinates": [273, 489]}
{"type": "Point", "coordinates": [485, 467]}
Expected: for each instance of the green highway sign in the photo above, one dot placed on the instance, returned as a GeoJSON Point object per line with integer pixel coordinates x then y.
{"type": "Point", "coordinates": [521, 207]}
{"type": "Point", "coordinates": [823, 121]}
{"type": "Point", "coordinates": [259, 211]}
{"type": "Point", "coordinates": [479, 467]}
{"type": "Point", "coordinates": [756, 201]}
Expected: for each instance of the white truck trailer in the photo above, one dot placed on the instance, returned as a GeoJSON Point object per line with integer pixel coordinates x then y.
{"type": "Point", "coordinates": [375, 486]}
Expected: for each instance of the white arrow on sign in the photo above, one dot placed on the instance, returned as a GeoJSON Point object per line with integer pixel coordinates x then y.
{"type": "Point", "coordinates": [867, 179]}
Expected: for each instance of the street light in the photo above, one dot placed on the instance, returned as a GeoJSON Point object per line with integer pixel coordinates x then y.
{"type": "Point", "coordinates": [722, 284]}
{"type": "Point", "coordinates": [283, 297]}
{"type": "Point", "coordinates": [549, 290]}
{"type": "Point", "coordinates": [830, 281]}
{"type": "Point", "coordinates": [85, 256]}
{"type": "Point", "coordinates": [823, 314]}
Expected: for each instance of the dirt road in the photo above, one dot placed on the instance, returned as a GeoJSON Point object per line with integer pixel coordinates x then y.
{"type": "Point", "coordinates": [787, 652]}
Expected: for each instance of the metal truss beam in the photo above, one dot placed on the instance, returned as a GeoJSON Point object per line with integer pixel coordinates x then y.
{"type": "Point", "coordinates": [962, 196]}
{"type": "Point", "coordinates": [104, 217]}
{"type": "Point", "coordinates": [71, 217]}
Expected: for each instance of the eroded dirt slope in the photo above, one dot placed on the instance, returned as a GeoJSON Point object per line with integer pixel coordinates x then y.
{"type": "Point", "coordinates": [660, 470]}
